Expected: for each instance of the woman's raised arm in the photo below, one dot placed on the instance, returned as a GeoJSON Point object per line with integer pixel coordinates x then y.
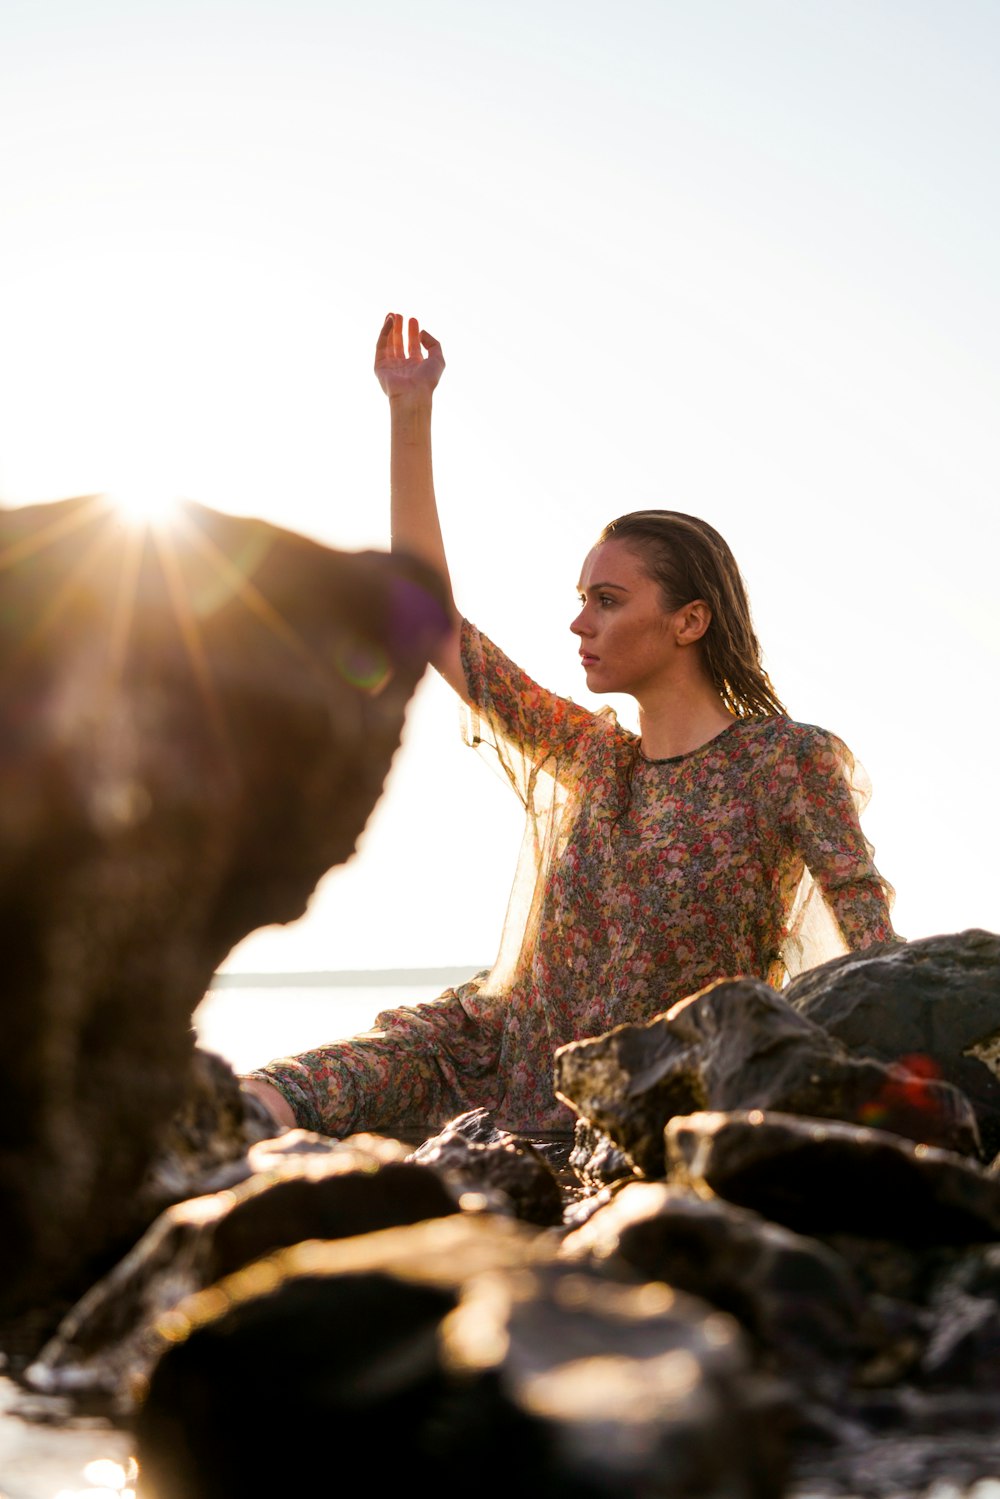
{"type": "Point", "coordinates": [408, 378]}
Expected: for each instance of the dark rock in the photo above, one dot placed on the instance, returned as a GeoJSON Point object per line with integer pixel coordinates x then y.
{"type": "Point", "coordinates": [739, 1045]}
{"type": "Point", "coordinates": [888, 1268]}
{"type": "Point", "coordinates": [472, 1155]}
{"type": "Point", "coordinates": [194, 726]}
{"type": "Point", "coordinates": [358, 1192]}
{"type": "Point", "coordinates": [585, 1205]}
{"type": "Point", "coordinates": [454, 1356]}
{"type": "Point", "coordinates": [964, 1345]}
{"type": "Point", "coordinates": [975, 1273]}
{"type": "Point", "coordinates": [305, 1187]}
{"type": "Point", "coordinates": [828, 1177]}
{"type": "Point", "coordinates": [479, 1127]}
{"type": "Point", "coordinates": [596, 1159]}
{"type": "Point", "coordinates": [906, 1445]}
{"type": "Point", "coordinates": [932, 1004]}
{"type": "Point", "coordinates": [795, 1296]}
{"type": "Point", "coordinates": [204, 1145]}
{"type": "Point", "coordinates": [897, 1333]}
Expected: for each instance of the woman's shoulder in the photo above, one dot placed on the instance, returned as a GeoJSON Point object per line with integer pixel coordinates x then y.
{"type": "Point", "coordinates": [784, 756]}
{"type": "Point", "coordinates": [780, 735]}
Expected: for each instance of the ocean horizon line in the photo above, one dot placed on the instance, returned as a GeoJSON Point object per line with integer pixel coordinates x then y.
{"type": "Point", "coordinates": [353, 978]}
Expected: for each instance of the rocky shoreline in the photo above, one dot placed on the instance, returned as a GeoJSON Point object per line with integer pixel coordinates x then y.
{"type": "Point", "coordinates": [778, 1303]}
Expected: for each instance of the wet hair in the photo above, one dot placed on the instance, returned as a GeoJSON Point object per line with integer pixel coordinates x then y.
{"type": "Point", "coordinates": [690, 560]}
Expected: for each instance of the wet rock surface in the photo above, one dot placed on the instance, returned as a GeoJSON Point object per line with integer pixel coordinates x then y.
{"type": "Point", "coordinates": [481, 1353]}
{"type": "Point", "coordinates": [933, 1004]}
{"type": "Point", "coordinates": [820, 1176]}
{"type": "Point", "coordinates": [796, 1297]}
{"type": "Point", "coordinates": [740, 1045]}
{"type": "Point", "coordinates": [196, 725]}
{"type": "Point", "coordinates": [596, 1159]}
{"type": "Point", "coordinates": [298, 1187]}
{"type": "Point", "coordinates": [474, 1156]}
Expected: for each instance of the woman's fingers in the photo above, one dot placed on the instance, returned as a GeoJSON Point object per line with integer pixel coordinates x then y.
{"type": "Point", "coordinates": [433, 348]}
{"type": "Point", "coordinates": [382, 346]}
{"type": "Point", "coordinates": [400, 370]}
{"type": "Point", "coordinates": [389, 344]}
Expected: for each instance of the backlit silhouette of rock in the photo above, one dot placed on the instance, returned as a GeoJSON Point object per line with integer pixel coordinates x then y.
{"type": "Point", "coordinates": [195, 724]}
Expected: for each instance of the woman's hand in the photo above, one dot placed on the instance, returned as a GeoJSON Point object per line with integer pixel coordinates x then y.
{"type": "Point", "coordinates": [407, 377]}
{"type": "Point", "coordinates": [276, 1103]}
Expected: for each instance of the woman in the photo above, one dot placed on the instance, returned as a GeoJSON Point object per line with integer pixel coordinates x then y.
{"type": "Point", "coordinates": [721, 840]}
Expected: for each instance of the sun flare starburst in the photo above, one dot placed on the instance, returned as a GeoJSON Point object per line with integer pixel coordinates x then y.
{"type": "Point", "coordinates": [141, 505]}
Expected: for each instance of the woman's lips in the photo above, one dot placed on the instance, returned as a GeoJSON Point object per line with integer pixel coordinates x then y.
{"type": "Point", "coordinates": [587, 659]}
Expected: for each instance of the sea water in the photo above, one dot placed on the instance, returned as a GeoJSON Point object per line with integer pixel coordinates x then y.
{"type": "Point", "coordinates": [251, 1018]}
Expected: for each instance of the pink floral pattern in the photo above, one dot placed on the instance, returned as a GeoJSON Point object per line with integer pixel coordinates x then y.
{"type": "Point", "coordinates": [640, 883]}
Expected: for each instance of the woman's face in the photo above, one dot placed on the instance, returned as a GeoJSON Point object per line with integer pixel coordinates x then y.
{"type": "Point", "coordinates": [628, 638]}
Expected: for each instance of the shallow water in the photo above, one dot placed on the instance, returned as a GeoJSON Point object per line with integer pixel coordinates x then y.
{"type": "Point", "coordinates": [39, 1460]}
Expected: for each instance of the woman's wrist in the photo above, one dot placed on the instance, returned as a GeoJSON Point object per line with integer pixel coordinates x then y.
{"type": "Point", "coordinates": [411, 422]}
{"type": "Point", "coordinates": [411, 405]}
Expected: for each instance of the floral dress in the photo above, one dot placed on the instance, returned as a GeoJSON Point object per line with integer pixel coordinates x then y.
{"type": "Point", "coordinates": [639, 882]}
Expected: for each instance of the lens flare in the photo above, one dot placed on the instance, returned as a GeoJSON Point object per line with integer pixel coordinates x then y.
{"type": "Point", "coordinates": [363, 664]}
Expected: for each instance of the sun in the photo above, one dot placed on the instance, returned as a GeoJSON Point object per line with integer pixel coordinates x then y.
{"type": "Point", "coordinates": [143, 505]}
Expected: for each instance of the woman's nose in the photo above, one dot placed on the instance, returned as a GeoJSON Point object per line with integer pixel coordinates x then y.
{"type": "Point", "coordinates": [579, 625]}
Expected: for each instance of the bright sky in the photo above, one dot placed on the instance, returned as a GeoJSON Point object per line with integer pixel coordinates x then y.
{"type": "Point", "coordinates": [735, 257]}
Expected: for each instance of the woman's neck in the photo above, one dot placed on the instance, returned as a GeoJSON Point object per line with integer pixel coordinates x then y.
{"type": "Point", "coordinates": [682, 720]}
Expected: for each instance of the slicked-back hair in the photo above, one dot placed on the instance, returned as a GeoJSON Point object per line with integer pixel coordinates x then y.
{"type": "Point", "coordinates": [690, 560]}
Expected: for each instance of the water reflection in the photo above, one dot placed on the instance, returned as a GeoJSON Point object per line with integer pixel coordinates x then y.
{"type": "Point", "coordinates": [104, 1479]}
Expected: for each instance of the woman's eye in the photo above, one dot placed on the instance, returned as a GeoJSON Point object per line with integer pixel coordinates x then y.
{"type": "Point", "coordinates": [605, 598]}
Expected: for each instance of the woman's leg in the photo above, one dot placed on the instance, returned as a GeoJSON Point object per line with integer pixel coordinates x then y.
{"type": "Point", "coordinates": [421, 1064]}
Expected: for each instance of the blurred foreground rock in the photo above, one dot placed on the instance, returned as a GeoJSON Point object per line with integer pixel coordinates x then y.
{"type": "Point", "coordinates": [454, 1357]}
{"type": "Point", "coordinates": [298, 1186]}
{"type": "Point", "coordinates": [195, 724]}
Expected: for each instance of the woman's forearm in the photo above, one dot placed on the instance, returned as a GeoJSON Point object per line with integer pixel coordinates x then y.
{"type": "Point", "coordinates": [415, 526]}
{"type": "Point", "coordinates": [408, 377]}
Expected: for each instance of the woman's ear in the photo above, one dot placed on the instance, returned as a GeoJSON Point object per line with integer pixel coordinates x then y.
{"type": "Point", "coordinates": [692, 620]}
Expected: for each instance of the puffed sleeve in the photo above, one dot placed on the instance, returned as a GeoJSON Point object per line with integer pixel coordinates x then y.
{"type": "Point", "coordinates": [828, 793]}
{"type": "Point", "coordinates": [509, 713]}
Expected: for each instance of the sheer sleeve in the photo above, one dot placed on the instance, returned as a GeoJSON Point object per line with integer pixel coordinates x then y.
{"type": "Point", "coordinates": [842, 903]}
{"type": "Point", "coordinates": [510, 714]}
{"type": "Point", "coordinates": [540, 743]}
